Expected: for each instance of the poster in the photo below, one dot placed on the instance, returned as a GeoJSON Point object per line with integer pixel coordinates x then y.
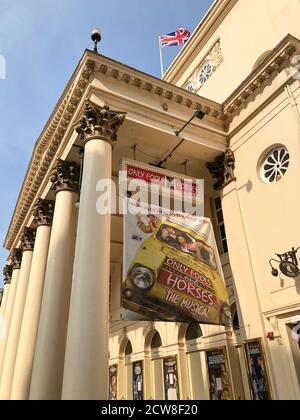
{"type": "Point", "coordinates": [113, 382]}
{"type": "Point", "coordinates": [137, 375]}
{"type": "Point", "coordinates": [220, 387]}
{"type": "Point", "coordinates": [171, 379]}
{"type": "Point", "coordinates": [171, 269]}
{"type": "Point", "coordinates": [257, 370]}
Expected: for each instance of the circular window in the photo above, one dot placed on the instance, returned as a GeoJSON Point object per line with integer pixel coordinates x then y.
{"type": "Point", "coordinates": [274, 165]}
{"type": "Point", "coordinates": [205, 72]}
{"type": "Point", "coordinates": [189, 86]}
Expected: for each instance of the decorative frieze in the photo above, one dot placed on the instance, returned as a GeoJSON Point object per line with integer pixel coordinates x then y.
{"type": "Point", "coordinates": [65, 176]}
{"type": "Point", "coordinates": [16, 258]}
{"type": "Point", "coordinates": [100, 121]}
{"type": "Point", "coordinates": [207, 67]}
{"type": "Point", "coordinates": [7, 273]}
{"type": "Point", "coordinates": [27, 239]}
{"type": "Point", "coordinates": [222, 169]}
{"type": "Point", "coordinates": [43, 213]}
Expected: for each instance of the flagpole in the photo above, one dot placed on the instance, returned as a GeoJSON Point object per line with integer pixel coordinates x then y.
{"type": "Point", "coordinates": [161, 58]}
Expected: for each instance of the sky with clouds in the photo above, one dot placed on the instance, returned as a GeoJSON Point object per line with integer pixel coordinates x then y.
{"type": "Point", "coordinates": [42, 42]}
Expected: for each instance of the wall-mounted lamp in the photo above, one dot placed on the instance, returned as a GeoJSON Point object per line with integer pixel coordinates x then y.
{"type": "Point", "coordinates": [288, 264]}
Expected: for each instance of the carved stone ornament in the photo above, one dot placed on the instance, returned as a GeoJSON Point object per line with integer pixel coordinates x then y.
{"type": "Point", "coordinates": [65, 176]}
{"type": "Point", "coordinates": [7, 273]}
{"type": "Point", "coordinates": [27, 239]}
{"type": "Point", "coordinates": [100, 121]}
{"type": "Point", "coordinates": [16, 258]}
{"type": "Point", "coordinates": [43, 213]}
{"type": "Point", "coordinates": [1, 295]}
{"type": "Point", "coordinates": [222, 169]}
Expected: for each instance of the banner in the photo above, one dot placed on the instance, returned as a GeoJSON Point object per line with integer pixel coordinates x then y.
{"type": "Point", "coordinates": [220, 387]}
{"type": "Point", "coordinates": [257, 370]}
{"type": "Point", "coordinates": [172, 270]}
{"type": "Point", "coordinates": [166, 180]}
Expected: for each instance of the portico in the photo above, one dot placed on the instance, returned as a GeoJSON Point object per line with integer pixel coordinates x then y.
{"type": "Point", "coordinates": [112, 111]}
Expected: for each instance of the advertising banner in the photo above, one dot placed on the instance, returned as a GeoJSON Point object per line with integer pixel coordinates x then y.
{"type": "Point", "coordinates": [257, 370]}
{"type": "Point", "coordinates": [172, 270]}
{"type": "Point", "coordinates": [171, 379]}
{"type": "Point", "coordinates": [113, 382]}
{"type": "Point", "coordinates": [166, 180]}
{"type": "Point", "coordinates": [220, 387]}
{"type": "Point", "coordinates": [138, 383]}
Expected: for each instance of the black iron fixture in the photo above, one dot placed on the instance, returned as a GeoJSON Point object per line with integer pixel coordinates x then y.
{"type": "Point", "coordinates": [200, 114]}
{"type": "Point", "coordinates": [96, 37]}
{"type": "Point", "coordinates": [288, 264]}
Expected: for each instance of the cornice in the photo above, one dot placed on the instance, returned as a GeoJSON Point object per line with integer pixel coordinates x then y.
{"type": "Point", "coordinates": [153, 85]}
{"type": "Point", "coordinates": [281, 310]}
{"type": "Point", "coordinates": [47, 145]}
{"type": "Point", "coordinates": [275, 63]}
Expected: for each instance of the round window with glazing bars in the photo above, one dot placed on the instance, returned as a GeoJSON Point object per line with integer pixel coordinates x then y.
{"type": "Point", "coordinates": [274, 164]}
{"type": "Point", "coordinates": [205, 72]}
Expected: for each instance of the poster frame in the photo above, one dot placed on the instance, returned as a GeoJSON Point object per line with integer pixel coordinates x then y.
{"type": "Point", "coordinates": [227, 365]}
{"type": "Point", "coordinates": [172, 356]}
{"type": "Point", "coordinates": [143, 378]}
{"type": "Point", "coordinates": [109, 382]}
{"type": "Point", "coordinates": [266, 367]}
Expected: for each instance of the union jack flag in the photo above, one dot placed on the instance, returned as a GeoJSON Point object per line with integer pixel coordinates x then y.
{"type": "Point", "coordinates": [179, 37]}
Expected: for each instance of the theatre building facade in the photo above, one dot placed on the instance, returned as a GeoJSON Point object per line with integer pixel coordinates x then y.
{"type": "Point", "coordinates": [62, 332]}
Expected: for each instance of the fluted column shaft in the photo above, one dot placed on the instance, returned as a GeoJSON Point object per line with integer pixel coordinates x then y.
{"type": "Point", "coordinates": [47, 375]}
{"type": "Point", "coordinates": [4, 303]}
{"type": "Point", "coordinates": [86, 359]}
{"type": "Point", "coordinates": [8, 313]}
{"type": "Point", "coordinates": [43, 212]}
{"type": "Point", "coordinates": [27, 244]}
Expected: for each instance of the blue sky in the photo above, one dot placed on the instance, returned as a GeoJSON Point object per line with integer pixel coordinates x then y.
{"type": "Point", "coordinates": [42, 42]}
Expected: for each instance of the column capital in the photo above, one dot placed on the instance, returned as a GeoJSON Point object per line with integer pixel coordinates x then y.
{"type": "Point", "coordinates": [27, 239]}
{"type": "Point", "coordinates": [222, 169]}
{"type": "Point", "coordinates": [65, 176]}
{"type": "Point", "coordinates": [16, 258]}
{"type": "Point", "coordinates": [7, 273]}
{"type": "Point", "coordinates": [99, 122]}
{"type": "Point", "coordinates": [43, 212]}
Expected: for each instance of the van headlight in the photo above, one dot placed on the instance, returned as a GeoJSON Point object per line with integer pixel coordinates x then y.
{"type": "Point", "coordinates": [141, 277]}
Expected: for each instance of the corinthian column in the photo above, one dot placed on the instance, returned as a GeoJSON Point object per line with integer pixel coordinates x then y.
{"type": "Point", "coordinates": [11, 275]}
{"type": "Point", "coordinates": [86, 359]}
{"type": "Point", "coordinates": [27, 244]}
{"type": "Point", "coordinates": [43, 213]}
{"type": "Point", "coordinates": [3, 300]}
{"type": "Point", "coordinates": [47, 375]}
